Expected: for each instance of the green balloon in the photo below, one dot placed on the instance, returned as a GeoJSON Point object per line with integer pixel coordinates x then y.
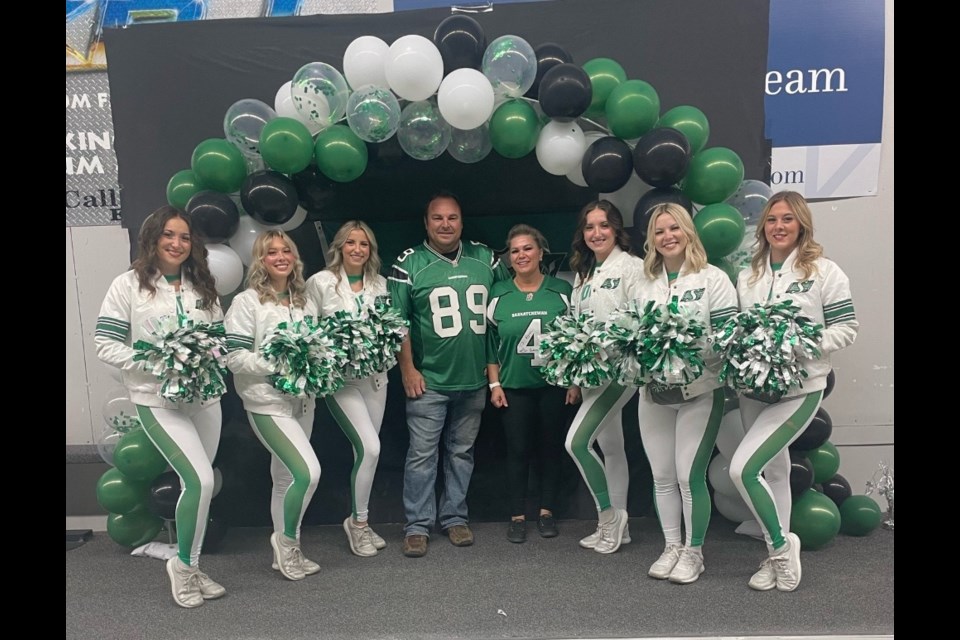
{"type": "Point", "coordinates": [714, 175]}
{"type": "Point", "coordinates": [726, 266]}
{"type": "Point", "coordinates": [219, 165]}
{"type": "Point", "coordinates": [133, 529]}
{"type": "Point", "coordinates": [181, 188]}
{"type": "Point", "coordinates": [605, 75]}
{"type": "Point", "coordinates": [137, 458]}
{"type": "Point", "coordinates": [633, 108]}
{"type": "Point", "coordinates": [286, 145]}
{"type": "Point", "coordinates": [721, 228]}
{"type": "Point", "coordinates": [689, 121]}
{"type": "Point", "coordinates": [815, 519]}
{"type": "Point", "coordinates": [514, 129]}
{"type": "Point", "coordinates": [341, 154]}
{"type": "Point", "coordinates": [825, 460]}
{"type": "Point", "coordinates": [119, 494]}
{"type": "Point", "coordinates": [859, 515]}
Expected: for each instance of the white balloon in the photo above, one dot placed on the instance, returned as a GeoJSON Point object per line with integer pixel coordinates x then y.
{"type": "Point", "coordinates": [364, 60]}
{"type": "Point", "coordinates": [718, 473]}
{"type": "Point", "coordinates": [560, 147]}
{"type": "Point", "coordinates": [414, 68]}
{"type": "Point", "coordinates": [298, 217]}
{"type": "Point", "coordinates": [575, 175]}
{"type": "Point", "coordinates": [465, 98]}
{"type": "Point", "coordinates": [284, 106]}
{"type": "Point", "coordinates": [732, 508]}
{"type": "Point", "coordinates": [730, 434]}
{"type": "Point", "coordinates": [242, 240]}
{"type": "Point", "coordinates": [225, 267]}
{"type": "Point", "coordinates": [217, 481]}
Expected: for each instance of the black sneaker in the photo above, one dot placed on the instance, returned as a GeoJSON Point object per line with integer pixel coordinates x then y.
{"type": "Point", "coordinates": [547, 526]}
{"type": "Point", "coordinates": [517, 532]}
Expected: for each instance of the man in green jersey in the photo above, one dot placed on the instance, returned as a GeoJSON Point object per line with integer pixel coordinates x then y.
{"type": "Point", "coordinates": [441, 286]}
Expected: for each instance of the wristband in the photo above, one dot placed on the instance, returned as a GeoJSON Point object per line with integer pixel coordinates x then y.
{"type": "Point", "coordinates": [494, 385]}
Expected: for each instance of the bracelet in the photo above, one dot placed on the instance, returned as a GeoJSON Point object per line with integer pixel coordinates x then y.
{"type": "Point", "coordinates": [494, 385]}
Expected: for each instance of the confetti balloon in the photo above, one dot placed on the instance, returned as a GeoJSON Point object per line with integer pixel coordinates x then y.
{"type": "Point", "coordinates": [320, 93]}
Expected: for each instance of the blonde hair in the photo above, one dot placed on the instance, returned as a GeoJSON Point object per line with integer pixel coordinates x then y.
{"type": "Point", "coordinates": [695, 256]}
{"type": "Point", "coordinates": [259, 280]}
{"type": "Point", "coordinates": [808, 249]}
{"type": "Point", "coordinates": [335, 253]}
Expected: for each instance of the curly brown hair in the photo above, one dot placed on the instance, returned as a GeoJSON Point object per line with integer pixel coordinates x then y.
{"type": "Point", "coordinates": [194, 268]}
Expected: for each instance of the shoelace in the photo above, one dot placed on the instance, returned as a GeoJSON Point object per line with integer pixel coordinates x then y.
{"type": "Point", "coordinates": [191, 584]}
{"type": "Point", "coordinates": [687, 561]}
{"type": "Point", "coordinates": [766, 564]}
{"type": "Point", "coordinates": [781, 566]}
{"type": "Point", "coordinates": [365, 536]}
{"type": "Point", "coordinates": [296, 556]}
{"type": "Point", "coordinates": [204, 579]}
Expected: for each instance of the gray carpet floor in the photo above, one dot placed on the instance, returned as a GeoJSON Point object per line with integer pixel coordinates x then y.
{"type": "Point", "coordinates": [544, 588]}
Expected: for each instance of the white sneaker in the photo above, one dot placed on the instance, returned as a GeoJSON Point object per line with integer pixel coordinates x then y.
{"type": "Point", "coordinates": [359, 537]}
{"type": "Point", "coordinates": [309, 566]}
{"type": "Point", "coordinates": [209, 588]}
{"type": "Point", "coordinates": [766, 578]}
{"type": "Point", "coordinates": [666, 562]}
{"type": "Point", "coordinates": [287, 556]}
{"type": "Point", "coordinates": [786, 564]}
{"type": "Point", "coordinates": [688, 567]}
{"type": "Point", "coordinates": [590, 541]}
{"type": "Point", "coordinates": [184, 583]}
{"type": "Point", "coordinates": [611, 533]}
{"type": "Point", "coordinates": [377, 541]}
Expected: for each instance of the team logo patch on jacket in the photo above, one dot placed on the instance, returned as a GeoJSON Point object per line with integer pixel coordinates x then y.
{"type": "Point", "coordinates": [800, 287]}
{"type": "Point", "coordinates": [610, 283]}
{"type": "Point", "coordinates": [692, 294]}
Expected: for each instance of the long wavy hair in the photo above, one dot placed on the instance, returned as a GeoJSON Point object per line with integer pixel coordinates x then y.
{"type": "Point", "coordinates": [808, 249]}
{"type": "Point", "coordinates": [582, 259]}
{"type": "Point", "coordinates": [527, 230]}
{"type": "Point", "coordinates": [335, 253]}
{"type": "Point", "coordinates": [259, 280]}
{"type": "Point", "coordinates": [194, 268]}
{"type": "Point", "coordinates": [695, 256]}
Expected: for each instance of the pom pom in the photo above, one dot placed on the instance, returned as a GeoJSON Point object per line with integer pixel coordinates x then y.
{"type": "Point", "coordinates": [308, 361]}
{"type": "Point", "coordinates": [761, 348]}
{"type": "Point", "coordinates": [658, 343]}
{"type": "Point", "coordinates": [389, 330]}
{"type": "Point", "coordinates": [576, 351]}
{"type": "Point", "coordinates": [188, 357]}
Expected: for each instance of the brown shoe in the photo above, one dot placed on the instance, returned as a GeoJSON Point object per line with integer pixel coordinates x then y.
{"type": "Point", "coordinates": [415, 545]}
{"type": "Point", "coordinates": [460, 535]}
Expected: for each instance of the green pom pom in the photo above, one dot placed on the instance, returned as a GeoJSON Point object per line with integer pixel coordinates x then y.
{"type": "Point", "coordinates": [577, 351]}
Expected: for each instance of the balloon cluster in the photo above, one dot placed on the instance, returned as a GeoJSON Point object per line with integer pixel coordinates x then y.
{"type": "Point", "coordinates": [823, 501]}
{"type": "Point", "coordinates": [137, 491]}
{"type": "Point", "coordinates": [460, 94]}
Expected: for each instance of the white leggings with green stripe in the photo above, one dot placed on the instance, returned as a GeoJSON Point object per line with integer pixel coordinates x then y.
{"type": "Point", "coordinates": [294, 467]}
{"type": "Point", "coordinates": [600, 420]}
{"type": "Point", "coordinates": [678, 440]}
{"type": "Point", "coordinates": [760, 467]}
{"type": "Point", "coordinates": [358, 408]}
{"type": "Point", "coordinates": [188, 438]}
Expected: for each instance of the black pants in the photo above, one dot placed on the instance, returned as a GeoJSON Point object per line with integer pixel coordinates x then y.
{"type": "Point", "coordinates": [534, 423]}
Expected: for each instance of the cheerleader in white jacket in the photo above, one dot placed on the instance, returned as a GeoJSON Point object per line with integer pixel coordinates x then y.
{"type": "Point", "coordinates": [607, 277]}
{"type": "Point", "coordinates": [788, 265]}
{"type": "Point", "coordinates": [169, 277]}
{"type": "Point", "coordinates": [276, 293]}
{"type": "Point", "coordinates": [679, 424]}
{"type": "Point", "coordinates": [351, 283]}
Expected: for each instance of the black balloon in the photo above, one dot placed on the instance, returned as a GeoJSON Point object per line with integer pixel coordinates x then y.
{"type": "Point", "coordinates": [801, 475]}
{"type": "Point", "coordinates": [817, 433]}
{"type": "Point", "coordinates": [831, 383]}
{"type": "Point", "coordinates": [269, 197]}
{"type": "Point", "coordinates": [163, 495]}
{"type": "Point", "coordinates": [649, 200]}
{"type": "Point", "coordinates": [837, 489]}
{"type": "Point", "coordinates": [661, 157]}
{"type": "Point", "coordinates": [565, 92]}
{"type": "Point", "coordinates": [315, 190]}
{"type": "Point", "coordinates": [549, 55]}
{"type": "Point", "coordinates": [214, 214]}
{"type": "Point", "coordinates": [461, 42]}
{"type": "Point", "coordinates": [607, 164]}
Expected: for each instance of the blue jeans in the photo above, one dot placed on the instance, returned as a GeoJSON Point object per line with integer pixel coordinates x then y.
{"type": "Point", "coordinates": [426, 417]}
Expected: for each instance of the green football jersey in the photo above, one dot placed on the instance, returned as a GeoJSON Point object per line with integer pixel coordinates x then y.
{"type": "Point", "coordinates": [517, 320]}
{"type": "Point", "coordinates": [446, 302]}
